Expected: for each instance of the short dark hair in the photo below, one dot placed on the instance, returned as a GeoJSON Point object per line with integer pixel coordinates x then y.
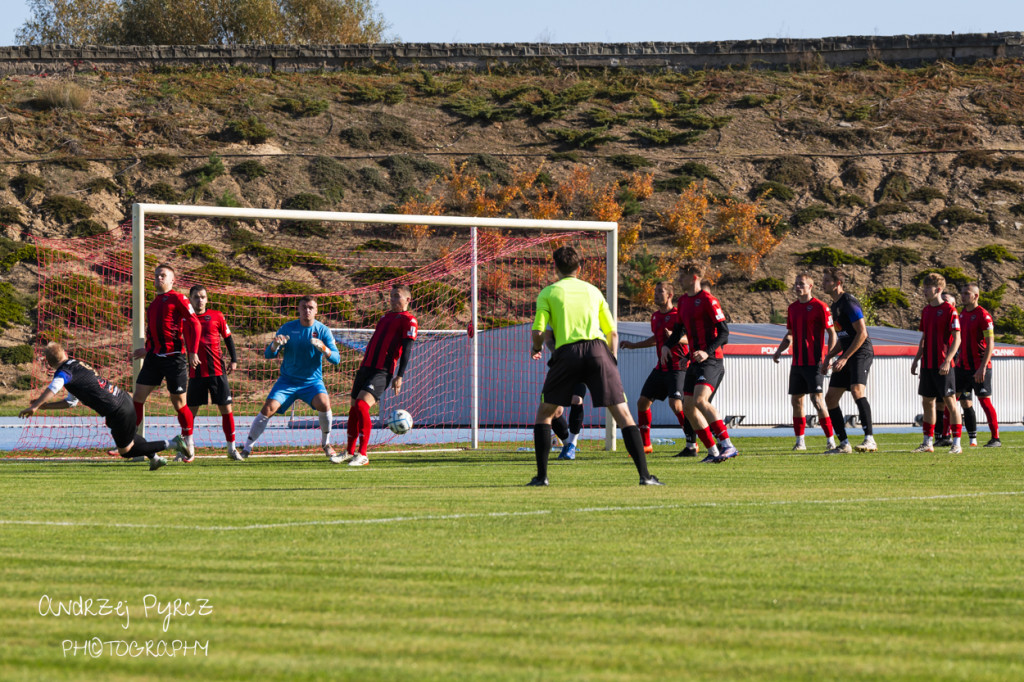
{"type": "Point", "coordinates": [306, 299]}
{"type": "Point", "coordinates": [805, 275]}
{"type": "Point", "coordinates": [693, 267]}
{"type": "Point", "coordinates": [403, 287]}
{"type": "Point", "coordinates": [164, 266]}
{"type": "Point", "coordinates": [195, 290]}
{"type": "Point", "coordinates": [837, 274]}
{"type": "Point", "coordinates": [567, 260]}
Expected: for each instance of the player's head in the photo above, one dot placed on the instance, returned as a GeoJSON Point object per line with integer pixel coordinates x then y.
{"type": "Point", "coordinates": [949, 297]}
{"type": "Point", "coordinates": [197, 297]}
{"type": "Point", "coordinates": [307, 310]}
{"type": "Point", "coordinates": [55, 354]}
{"type": "Point", "coordinates": [834, 281]}
{"type": "Point", "coordinates": [932, 285]}
{"type": "Point", "coordinates": [663, 291]}
{"type": "Point", "coordinates": [401, 294]}
{"type": "Point", "coordinates": [705, 285]}
{"type": "Point", "coordinates": [689, 271]}
{"type": "Point", "coordinates": [803, 284]}
{"type": "Point", "coordinates": [163, 278]}
{"type": "Point", "coordinates": [567, 260]}
{"type": "Point", "coordinates": [970, 293]}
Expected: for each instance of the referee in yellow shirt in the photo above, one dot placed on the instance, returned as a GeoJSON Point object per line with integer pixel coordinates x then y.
{"type": "Point", "coordinates": [585, 344]}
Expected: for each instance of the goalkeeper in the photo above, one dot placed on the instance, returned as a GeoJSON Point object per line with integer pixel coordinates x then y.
{"type": "Point", "coordinates": [303, 344]}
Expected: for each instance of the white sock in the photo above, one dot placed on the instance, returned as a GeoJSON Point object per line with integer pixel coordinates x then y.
{"type": "Point", "coordinates": [713, 451]}
{"type": "Point", "coordinates": [831, 441]}
{"type": "Point", "coordinates": [256, 430]}
{"type": "Point", "coordinates": [188, 441]}
{"type": "Point", "coordinates": [928, 440]}
{"type": "Point", "coordinates": [571, 440]}
{"type": "Point", "coordinates": [725, 442]}
{"type": "Point", "coordinates": [326, 420]}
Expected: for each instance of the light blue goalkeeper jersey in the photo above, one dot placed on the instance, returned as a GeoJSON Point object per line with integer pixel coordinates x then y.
{"type": "Point", "coordinates": [302, 363]}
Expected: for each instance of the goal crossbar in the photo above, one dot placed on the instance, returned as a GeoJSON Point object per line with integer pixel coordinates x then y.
{"type": "Point", "coordinates": [141, 210]}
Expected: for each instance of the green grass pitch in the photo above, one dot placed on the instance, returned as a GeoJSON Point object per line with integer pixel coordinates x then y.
{"type": "Point", "coordinates": [442, 566]}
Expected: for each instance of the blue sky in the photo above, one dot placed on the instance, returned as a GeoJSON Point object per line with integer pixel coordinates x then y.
{"type": "Point", "coordinates": [664, 20]}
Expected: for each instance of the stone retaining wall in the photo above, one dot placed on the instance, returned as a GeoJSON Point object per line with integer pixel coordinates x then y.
{"type": "Point", "coordinates": [769, 53]}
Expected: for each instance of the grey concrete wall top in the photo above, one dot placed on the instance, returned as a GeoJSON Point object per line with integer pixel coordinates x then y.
{"type": "Point", "coordinates": [768, 53]}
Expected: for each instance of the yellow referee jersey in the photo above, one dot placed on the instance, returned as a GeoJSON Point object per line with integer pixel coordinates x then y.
{"type": "Point", "coordinates": [575, 310]}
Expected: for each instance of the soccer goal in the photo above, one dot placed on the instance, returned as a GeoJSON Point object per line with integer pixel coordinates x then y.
{"type": "Point", "coordinates": [474, 283]}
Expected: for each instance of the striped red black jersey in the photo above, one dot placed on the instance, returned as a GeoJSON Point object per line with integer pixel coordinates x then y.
{"type": "Point", "coordinates": [385, 347]}
{"type": "Point", "coordinates": [973, 338]}
{"type": "Point", "coordinates": [807, 323]}
{"type": "Point", "coordinates": [938, 322]}
{"type": "Point", "coordinates": [171, 325]}
{"type": "Point", "coordinates": [700, 315]}
{"type": "Point", "coordinates": [213, 328]}
{"type": "Point", "coordinates": [662, 325]}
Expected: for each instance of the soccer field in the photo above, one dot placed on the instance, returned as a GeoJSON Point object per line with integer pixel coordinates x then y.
{"type": "Point", "coordinates": [442, 566]}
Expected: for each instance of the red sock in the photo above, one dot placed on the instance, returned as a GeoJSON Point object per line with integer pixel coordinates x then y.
{"type": "Point", "coordinates": [990, 414]}
{"type": "Point", "coordinates": [365, 424]}
{"type": "Point", "coordinates": [799, 425]}
{"type": "Point", "coordinates": [706, 437]}
{"type": "Point", "coordinates": [354, 417]}
{"type": "Point", "coordinates": [826, 426]}
{"type": "Point", "coordinates": [958, 430]}
{"type": "Point", "coordinates": [645, 426]}
{"type": "Point", "coordinates": [929, 430]}
{"type": "Point", "coordinates": [185, 419]}
{"type": "Point", "coordinates": [140, 409]}
{"type": "Point", "coordinates": [719, 430]}
{"type": "Point", "coordinates": [681, 418]}
{"type": "Point", "coordinates": [227, 422]}
{"type": "Point", "coordinates": [947, 423]}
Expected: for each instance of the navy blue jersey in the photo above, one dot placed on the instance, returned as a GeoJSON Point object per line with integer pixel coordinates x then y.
{"type": "Point", "coordinates": [83, 384]}
{"type": "Point", "coordinates": [845, 311]}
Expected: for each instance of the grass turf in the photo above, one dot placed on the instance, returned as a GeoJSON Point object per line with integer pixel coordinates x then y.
{"type": "Point", "coordinates": [888, 566]}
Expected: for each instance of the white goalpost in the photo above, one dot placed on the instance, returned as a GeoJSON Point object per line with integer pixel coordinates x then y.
{"type": "Point", "coordinates": [610, 229]}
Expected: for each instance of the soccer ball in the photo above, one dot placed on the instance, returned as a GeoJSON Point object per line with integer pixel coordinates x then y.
{"type": "Point", "coordinates": [399, 422]}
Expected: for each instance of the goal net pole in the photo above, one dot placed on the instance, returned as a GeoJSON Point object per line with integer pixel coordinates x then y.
{"type": "Point", "coordinates": [140, 211]}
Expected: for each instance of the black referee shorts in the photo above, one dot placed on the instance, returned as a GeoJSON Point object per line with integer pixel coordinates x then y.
{"type": "Point", "coordinates": [121, 422]}
{"type": "Point", "coordinates": [589, 362]}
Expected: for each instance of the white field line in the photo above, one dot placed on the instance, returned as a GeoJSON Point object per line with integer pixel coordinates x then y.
{"type": "Point", "coordinates": [35, 460]}
{"type": "Point", "coordinates": [494, 515]}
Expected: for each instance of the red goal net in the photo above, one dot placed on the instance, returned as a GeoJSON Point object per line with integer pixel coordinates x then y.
{"type": "Point", "coordinates": [255, 272]}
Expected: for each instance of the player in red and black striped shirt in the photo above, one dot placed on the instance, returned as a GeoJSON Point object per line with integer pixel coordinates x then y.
{"type": "Point", "coordinates": [666, 381]}
{"type": "Point", "coordinates": [172, 329]}
{"type": "Point", "coordinates": [209, 380]}
{"type": "Point", "coordinates": [386, 358]}
{"type": "Point", "coordinates": [940, 340]}
{"type": "Point", "coordinates": [974, 365]}
{"type": "Point", "coordinates": [703, 321]}
{"type": "Point", "coordinates": [808, 320]}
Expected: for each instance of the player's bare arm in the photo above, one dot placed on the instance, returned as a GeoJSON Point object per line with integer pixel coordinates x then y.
{"type": "Point", "coordinates": [990, 342]}
{"type": "Point", "coordinates": [787, 340]}
{"type": "Point", "coordinates": [41, 404]}
{"type": "Point", "coordinates": [918, 356]}
{"type": "Point", "coordinates": [646, 343]}
{"type": "Point", "coordinates": [954, 347]}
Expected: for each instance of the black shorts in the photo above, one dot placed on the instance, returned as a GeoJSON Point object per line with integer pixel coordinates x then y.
{"type": "Point", "coordinates": [965, 384]}
{"type": "Point", "coordinates": [216, 389]}
{"type": "Point", "coordinates": [587, 362]}
{"type": "Point", "coordinates": [173, 368]}
{"type": "Point", "coordinates": [709, 373]}
{"type": "Point", "coordinates": [805, 379]}
{"type": "Point", "coordinates": [935, 385]}
{"type": "Point", "coordinates": [662, 385]}
{"type": "Point", "coordinates": [372, 380]}
{"type": "Point", "coordinates": [580, 390]}
{"type": "Point", "coordinates": [121, 423]}
{"type": "Point", "coordinates": [855, 371]}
